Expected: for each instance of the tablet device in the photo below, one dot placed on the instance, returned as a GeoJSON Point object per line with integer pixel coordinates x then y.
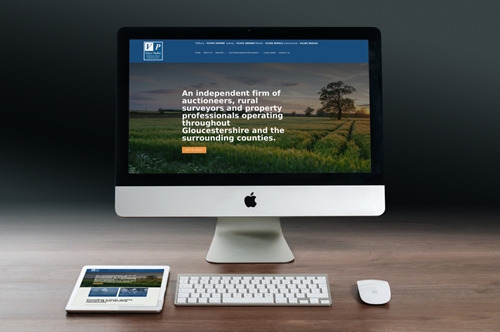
{"type": "Point", "coordinates": [119, 288]}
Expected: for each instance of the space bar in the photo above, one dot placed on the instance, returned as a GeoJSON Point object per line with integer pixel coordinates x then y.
{"type": "Point", "coordinates": [248, 300]}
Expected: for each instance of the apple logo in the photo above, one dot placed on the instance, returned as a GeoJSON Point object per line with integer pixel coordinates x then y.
{"type": "Point", "coordinates": [250, 201]}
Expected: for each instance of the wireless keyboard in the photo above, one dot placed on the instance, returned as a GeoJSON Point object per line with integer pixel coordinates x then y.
{"type": "Point", "coordinates": [252, 290]}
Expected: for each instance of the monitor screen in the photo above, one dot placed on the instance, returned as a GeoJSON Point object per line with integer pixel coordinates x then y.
{"type": "Point", "coordinates": [247, 122]}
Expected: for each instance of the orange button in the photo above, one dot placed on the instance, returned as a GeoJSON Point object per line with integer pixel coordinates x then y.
{"type": "Point", "coordinates": [194, 149]}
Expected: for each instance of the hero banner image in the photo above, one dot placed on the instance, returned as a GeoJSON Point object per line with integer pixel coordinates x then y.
{"type": "Point", "coordinates": [228, 106]}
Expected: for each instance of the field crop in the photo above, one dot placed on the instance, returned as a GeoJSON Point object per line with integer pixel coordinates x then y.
{"type": "Point", "coordinates": [308, 145]}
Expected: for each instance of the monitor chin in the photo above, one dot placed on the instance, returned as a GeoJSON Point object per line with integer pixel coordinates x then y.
{"type": "Point", "coordinates": [249, 201]}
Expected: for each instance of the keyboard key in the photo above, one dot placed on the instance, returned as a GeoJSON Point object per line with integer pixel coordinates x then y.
{"type": "Point", "coordinates": [248, 300]}
{"type": "Point", "coordinates": [317, 295]}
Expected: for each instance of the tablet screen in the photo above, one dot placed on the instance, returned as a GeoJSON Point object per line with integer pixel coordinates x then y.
{"type": "Point", "coordinates": [118, 287]}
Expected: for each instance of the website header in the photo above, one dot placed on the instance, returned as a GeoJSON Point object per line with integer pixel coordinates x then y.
{"type": "Point", "coordinates": [224, 51]}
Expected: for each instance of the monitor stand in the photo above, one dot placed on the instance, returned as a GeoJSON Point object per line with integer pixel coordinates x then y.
{"type": "Point", "coordinates": [249, 240]}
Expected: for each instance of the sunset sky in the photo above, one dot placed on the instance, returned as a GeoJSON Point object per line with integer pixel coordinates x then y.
{"type": "Point", "coordinates": [159, 85]}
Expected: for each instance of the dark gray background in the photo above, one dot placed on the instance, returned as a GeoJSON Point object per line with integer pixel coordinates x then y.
{"type": "Point", "coordinates": [441, 72]}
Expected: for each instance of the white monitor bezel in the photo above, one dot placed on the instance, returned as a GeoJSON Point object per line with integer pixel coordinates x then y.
{"type": "Point", "coordinates": [219, 195]}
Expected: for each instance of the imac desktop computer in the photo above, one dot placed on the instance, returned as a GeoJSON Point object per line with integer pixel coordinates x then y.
{"type": "Point", "coordinates": [249, 125]}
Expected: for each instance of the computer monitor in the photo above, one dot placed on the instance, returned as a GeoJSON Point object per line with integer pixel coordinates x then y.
{"type": "Point", "coordinates": [249, 125]}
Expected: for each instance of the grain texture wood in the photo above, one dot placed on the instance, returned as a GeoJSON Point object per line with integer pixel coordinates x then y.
{"type": "Point", "coordinates": [443, 268]}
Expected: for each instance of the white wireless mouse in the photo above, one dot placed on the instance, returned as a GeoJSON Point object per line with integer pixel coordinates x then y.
{"type": "Point", "coordinates": [374, 291]}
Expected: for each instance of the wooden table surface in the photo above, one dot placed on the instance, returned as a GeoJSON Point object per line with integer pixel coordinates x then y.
{"type": "Point", "coordinates": [443, 267]}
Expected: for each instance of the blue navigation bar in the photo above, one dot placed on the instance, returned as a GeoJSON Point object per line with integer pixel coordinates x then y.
{"type": "Point", "coordinates": [224, 51]}
{"type": "Point", "coordinates": [125, 270]}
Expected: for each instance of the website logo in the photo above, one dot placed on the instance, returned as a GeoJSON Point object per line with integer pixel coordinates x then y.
{"type": "Point", "coordinates": [153, 51]}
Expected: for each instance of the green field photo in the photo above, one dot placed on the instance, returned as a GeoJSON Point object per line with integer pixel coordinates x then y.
{"type": "Point", "coordinates": [308, 145]}
{"type": "Point", "coordinates": [305, 118]}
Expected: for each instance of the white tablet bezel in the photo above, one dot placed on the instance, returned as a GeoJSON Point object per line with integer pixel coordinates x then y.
{"type": "Point", "coordinates": [117, 309]}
